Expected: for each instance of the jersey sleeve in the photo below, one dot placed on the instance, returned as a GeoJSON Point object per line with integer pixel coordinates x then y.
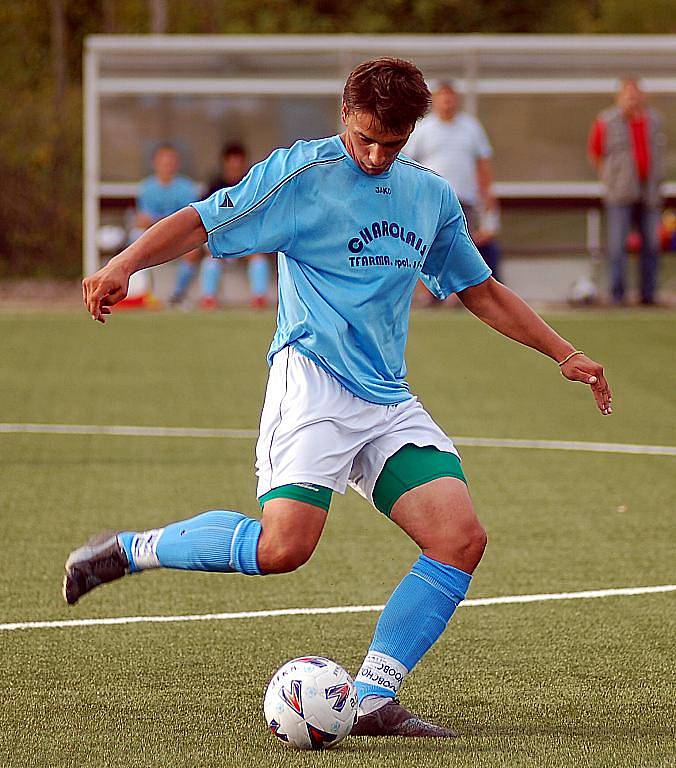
{"type": "Point", "coordinates": [453, 262]}
{"type": "Point", "coordinates": [596, 140]}
{"type": "Point", "coordinates": [255, 216]}
{"type": "Point", "coordinates": [190, 192]}
{"type": "Point", "coordinates": [145, 201]}
{"type": "Point", "coordinates": [483, 144]}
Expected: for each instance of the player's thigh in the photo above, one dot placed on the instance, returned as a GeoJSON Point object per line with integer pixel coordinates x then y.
{"type": "Point", "coordinates": [290, 532]}
{"type": "Point", "coordinates": [440, 518]}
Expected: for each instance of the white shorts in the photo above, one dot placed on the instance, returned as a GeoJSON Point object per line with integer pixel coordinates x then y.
{"type": "Point", "coordinates": [313, 430]}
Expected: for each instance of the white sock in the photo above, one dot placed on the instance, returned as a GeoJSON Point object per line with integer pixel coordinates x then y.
{"type": "Point", "coordinates": [372, 702]}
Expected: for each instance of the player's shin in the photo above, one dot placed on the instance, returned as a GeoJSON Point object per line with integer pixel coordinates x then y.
{"type": "Point", "coordinates": [413, 619]}
{"type": "Point", "coordinates": [211, 277]}
{"type": "Point", "coordinates": [258, 271]}
{"type": "Point", "coordinates": [220, 540]}
{"type": "Point", "coordinates": [185, 272]}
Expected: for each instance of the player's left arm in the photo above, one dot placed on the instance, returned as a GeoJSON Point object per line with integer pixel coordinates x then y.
{"type": "Point", "coordinates": [502, 309]}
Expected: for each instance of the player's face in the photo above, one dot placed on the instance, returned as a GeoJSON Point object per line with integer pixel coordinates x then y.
{"type": "Point", "coordinates": [630, 97]}
{"type": "Point", "coordinates": [234, 168]}
{"type": "Point", "coordinates": [165, 164]}
{"type": "Point", "coordinates": [445, 103]}
{"type": "Point", "coordinates": [373, 149]}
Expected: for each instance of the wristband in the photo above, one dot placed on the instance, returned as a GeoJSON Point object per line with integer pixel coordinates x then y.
{"type": "Point", "coordinates": [568, 357]}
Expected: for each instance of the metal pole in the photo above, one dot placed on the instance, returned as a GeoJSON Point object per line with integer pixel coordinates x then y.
{"type": "Point", "coordinates": [92, 163]}
{"type": "Point", "coordinates": [470, 102]}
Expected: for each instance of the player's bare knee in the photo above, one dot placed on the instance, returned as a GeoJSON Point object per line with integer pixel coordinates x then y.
{"type": "Point", "coordinates": [469, 540]}
{"type": "Point", "coordinates": [283, 556]}
{"type": "Point", "coordinates": [462, 545]}
{"type": "Point", "coordinates": [290, 534]}
{"type": "Point", "coordinates": [476, 540]}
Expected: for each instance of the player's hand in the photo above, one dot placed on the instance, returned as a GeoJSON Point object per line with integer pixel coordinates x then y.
{"type": "Point", "coordinates": [105, 288]}
{"type": "Point", "coordinates": [584, 369]}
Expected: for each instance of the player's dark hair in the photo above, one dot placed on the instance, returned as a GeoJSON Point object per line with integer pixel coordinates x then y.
{"type": "Point", "coordinates": [165, 146]}
{"type": "Point", "coordinates": [233, 148]}
{"type": "Point", "coordinates": [445, 85]}
{"type": "Point", "coordinates": [392, 90]}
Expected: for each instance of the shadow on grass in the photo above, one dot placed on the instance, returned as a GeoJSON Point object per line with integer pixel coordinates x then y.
{"type": "Point", "coordinates": [484, 740]}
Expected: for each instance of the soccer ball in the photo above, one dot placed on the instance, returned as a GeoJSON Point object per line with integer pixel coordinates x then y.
{"type": "Point", "coordinates": [583, 292]}
{"type": "Point", "coordinates": [110, 238]}
{"type": "Point", "coordinates": [311, 703]}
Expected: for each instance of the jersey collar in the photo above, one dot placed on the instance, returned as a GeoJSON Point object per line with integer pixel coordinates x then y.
{"type": "Point", "coordinates": [353, 166]}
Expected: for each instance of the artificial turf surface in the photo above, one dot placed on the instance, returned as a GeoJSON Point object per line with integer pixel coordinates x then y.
{"type": "Point", "coordinates": [586, 682]}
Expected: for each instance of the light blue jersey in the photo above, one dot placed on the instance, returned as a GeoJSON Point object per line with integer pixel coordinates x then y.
{"type": "Point", "coordinates": [351, 249]}
{"type": "Point", "coordinates": [160, 200]}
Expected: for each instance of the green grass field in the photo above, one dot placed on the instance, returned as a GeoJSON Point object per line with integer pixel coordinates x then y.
{"type": "Point", "coordinates": [567, 683]}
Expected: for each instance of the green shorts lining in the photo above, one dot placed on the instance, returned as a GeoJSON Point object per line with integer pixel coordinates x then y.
{"type": "Point", "coordinates": [317, 495]}
{"type": "Point", "coordinates": [410, 467]}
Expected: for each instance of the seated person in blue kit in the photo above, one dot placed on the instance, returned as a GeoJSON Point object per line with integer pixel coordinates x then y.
{"type": "Point", "coordinates": [162, 194]}
{"type": "Point", "coordinates": [234, 165]}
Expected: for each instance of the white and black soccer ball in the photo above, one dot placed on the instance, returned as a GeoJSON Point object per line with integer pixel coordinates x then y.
{"type": "Point", "coordinates": [583, 292]}
{"type": "Point", "coordinates": [311, 703]}
{"type": "Point", "coordinates": [110, 238]}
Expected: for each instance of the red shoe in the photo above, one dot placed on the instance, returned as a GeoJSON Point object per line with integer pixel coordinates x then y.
{"type": "Point", "coordinates": [259, 302]}
{"type": "Point", "coordinates": [208, 302]}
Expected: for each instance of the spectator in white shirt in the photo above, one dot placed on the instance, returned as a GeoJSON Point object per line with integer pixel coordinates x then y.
{"type": "Point", "coordinates": [455, 145]}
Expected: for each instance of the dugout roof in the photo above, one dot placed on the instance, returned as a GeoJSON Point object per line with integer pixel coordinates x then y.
{"type": "Point", "coordinates": [535, 94]}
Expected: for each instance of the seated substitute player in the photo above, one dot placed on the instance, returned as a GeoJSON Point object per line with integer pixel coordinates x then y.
{"type": "Point", "coordinates": [163, 193]}
{"type": "Point", "coordinates": [356, 225]}
{"type": "Point", "coordinates": [234, 165]}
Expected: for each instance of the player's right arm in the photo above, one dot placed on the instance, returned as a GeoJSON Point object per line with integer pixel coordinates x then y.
{"type": "Point", "coordinates": [166, 240]}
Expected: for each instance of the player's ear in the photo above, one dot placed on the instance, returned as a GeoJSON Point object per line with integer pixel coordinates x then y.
{"type": "Point", "coordinates": [344, 113]}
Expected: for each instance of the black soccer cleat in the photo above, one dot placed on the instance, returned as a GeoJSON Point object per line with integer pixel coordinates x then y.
{"type": "Point", "coordinates": [394, 720]}
{"type": "Point", "coordinates": [100, 560]}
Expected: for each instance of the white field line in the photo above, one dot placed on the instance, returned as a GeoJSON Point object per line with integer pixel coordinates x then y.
{"type": "Point", "coordinates": [94, 429]}
{"type": "Point", "coordinates": [474, 442]}
{"type": "Point", "coordinates": [472, 602]}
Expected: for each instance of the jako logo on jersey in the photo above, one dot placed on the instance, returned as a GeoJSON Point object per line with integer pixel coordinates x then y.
{"type": "Point", "coordinates": [386, 229]}
{"type": "Point", "coordinates": [383, 191]}
{"type": "Point", "coordinates": [293, 697]}
{"type": "Point", "coordinates": [226, 202]}
{"type": "Point", "coordinates": [340, 694]}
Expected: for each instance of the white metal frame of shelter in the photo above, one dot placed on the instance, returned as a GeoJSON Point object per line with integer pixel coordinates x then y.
{"type": "Point", "coordinates": [470, 48]}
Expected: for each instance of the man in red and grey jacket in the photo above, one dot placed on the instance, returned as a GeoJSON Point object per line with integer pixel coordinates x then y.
{"type": "Point", "coordinates": [627, 146]}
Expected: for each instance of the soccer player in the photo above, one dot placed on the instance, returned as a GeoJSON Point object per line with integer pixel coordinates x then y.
{"type": "Point", "coordinates": [234, 165]}
{"type": "Point", "coordinates": [161, 194]}
{"type": "Point", "coordinates": [356, 225]}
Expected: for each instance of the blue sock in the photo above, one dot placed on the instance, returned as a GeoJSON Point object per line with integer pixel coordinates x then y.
{"type": "Point", "coordinates": [211, 277]}
{"type": "Point", "coordinates": [185, 271]}
{"type": "Point", "coordinates": [220, 540]}
{"type": "Point", "coordinates": [258, 270]}
{"type": "Point", "coordinates": [413, 619]}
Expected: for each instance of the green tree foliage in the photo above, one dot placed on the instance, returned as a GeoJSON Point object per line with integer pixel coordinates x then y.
{"type": "Point", "coordinates": [41, 45]}
{"type": "Point", "coordinates": [631, 17]}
